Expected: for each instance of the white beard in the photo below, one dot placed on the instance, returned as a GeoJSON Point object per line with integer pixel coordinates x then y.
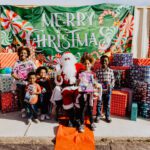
{"type": "Point", "coordinates": [69, 71]}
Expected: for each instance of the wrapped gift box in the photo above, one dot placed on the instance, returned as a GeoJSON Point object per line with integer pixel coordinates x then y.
{"type": "Point", "coordinates": [6, 83]}
{"type": "Point", "coordinates": [134, 111]}
{"type": "Point", "coordinates": [9, 102]}
{"type": "Point", "coordinates": [148, 92]}
{"type": "Point", "coordinates": [141, 73]}
{"type": "Point", "coordinates": [135, 73]}
{"type": "Point", "coordinates": [140, 91]}
{"type": "Point", "coordinates": [120, 73]}
{"type": "Point", "coordinates": [130, 97]}
{"type": "Point", "coordinates": [122, 59]}
{"type": "Point", "coordinates": [144, 109]}
{"type": "Point", "coordinates": [145, 73]}
{"type": "Point", "coordinates": [119, 103]}
{"type": "Point", "coordinates": [8, 59]}
{"type": "Point", "coordinates": [141, 61]}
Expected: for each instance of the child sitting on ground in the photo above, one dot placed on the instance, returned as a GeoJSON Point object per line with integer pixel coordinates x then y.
{"type": "Point", "coordinates": [31, 98]}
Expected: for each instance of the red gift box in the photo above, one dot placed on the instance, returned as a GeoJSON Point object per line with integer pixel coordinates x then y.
{"type": "Point", "coordinates": [120, 67]}
{"type": "Point", "coordinates": [123, 68]}
{"type": "Point", "coordinates": [8, 102]}
{"type": "Point", "coordinates": [141, 61]}
{"type": "Point", "coordinates": [119, 103]}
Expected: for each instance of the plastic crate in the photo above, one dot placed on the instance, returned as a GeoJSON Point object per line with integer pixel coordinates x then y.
{"type": "Point", "coordinates": [119, 103]}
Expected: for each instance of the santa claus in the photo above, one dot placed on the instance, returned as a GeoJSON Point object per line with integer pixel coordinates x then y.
{"type": "Point", "coordinates": [67, 78]}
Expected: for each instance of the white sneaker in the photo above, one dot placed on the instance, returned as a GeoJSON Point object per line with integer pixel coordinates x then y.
{"type": "Point", "coordinates": [23, 110]}
{"type": "Point", "coordinates": [42, 117]}
{"type": "Point", "coordinates": [29, 121]}
{"type": "Point", "coordinates": [47, 117]}
{"type": "Point", "coordinates": [23, 115]}
{"type": "Point", "coordinates": [36, 120]}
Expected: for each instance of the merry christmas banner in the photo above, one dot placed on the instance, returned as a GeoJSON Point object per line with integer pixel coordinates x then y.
{"type": "Point", "coordinates": [52, 30]}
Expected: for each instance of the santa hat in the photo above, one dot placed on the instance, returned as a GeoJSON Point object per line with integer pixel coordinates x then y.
{"type": "Point", "coordinates": [68, 55]}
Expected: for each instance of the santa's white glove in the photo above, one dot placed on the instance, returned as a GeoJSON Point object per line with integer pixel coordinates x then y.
{"type": "Point", "coordinates": [58, 73]}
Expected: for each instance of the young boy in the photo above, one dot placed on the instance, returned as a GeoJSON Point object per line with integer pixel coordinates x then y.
{"type": "Point", "coordinates": [105, 76]}
{"type": "Point", "coordinates": [31, 97]}
{"type": "Point", "coordinates": [45, 95]}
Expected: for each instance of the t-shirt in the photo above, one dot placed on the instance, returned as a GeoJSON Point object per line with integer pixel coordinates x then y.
{"type": "Point", "coordinates": [21, 68]}
{"type": "Point", "coordinates": [45, 85]}
{"type": "Point", "coordinates": [32, 88]}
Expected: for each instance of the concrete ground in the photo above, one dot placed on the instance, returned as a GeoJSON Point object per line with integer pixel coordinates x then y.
{"type": "Point", "coordinates": [12, 125]}
{"type": "Point", "coordinates": [13, 130]}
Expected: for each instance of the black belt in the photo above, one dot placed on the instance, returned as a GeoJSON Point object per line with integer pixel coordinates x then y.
{"type": "Point", "coordinates": [68, 85]}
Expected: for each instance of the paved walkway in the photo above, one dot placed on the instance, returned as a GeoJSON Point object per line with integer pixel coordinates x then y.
{"type": "Point", "coordinates": [12, 125]}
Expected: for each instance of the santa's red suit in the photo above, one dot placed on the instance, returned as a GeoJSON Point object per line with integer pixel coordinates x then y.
{"type": "Point", "coordinates": [68, 84]}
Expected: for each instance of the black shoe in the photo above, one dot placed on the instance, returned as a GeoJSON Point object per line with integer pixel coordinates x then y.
{"type": "Point", "coordinates": [56, 119]}
{"type": "Point", "coordinates": [97, 119]}
{"type": "Point", "coordinates": [54, 141]}
{"type": "Point", "coordinates": [108, 120]}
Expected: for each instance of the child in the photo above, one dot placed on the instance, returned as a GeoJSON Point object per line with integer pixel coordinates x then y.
{"type": "Point", "coordinates": [86, 90]}
{"type": "Point", "coordinates": [105, 76]}
{"type": "Point", "coordinates": [31, 98]}
{"type": "Point", "coordinates": [45, 95]}
{"type": "Point", "coordinates": [56, 97]}
{"type": "Point", "coordinates": [20, 71]}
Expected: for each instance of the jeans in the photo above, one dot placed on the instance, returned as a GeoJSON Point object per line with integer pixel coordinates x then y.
{"type": "Point", "coordinates": [106, 99]}
{"type": "Point", "coordinates": [31, 110]}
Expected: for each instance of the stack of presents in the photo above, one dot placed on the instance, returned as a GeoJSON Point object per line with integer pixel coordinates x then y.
{"type": "Point", "coordinates": [8, 97]}
{"type": "Point", "coordinates": [130, 97]}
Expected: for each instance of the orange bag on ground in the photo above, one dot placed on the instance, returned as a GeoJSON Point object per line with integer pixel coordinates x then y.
{"type": "Point", "coordinates": [70, 139]}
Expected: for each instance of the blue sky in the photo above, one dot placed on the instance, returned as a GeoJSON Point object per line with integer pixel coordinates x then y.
{"type": "Point", "coordinates": [74, 2]}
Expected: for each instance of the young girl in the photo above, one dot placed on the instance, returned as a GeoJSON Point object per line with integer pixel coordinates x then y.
{"type": "Point", "coordinates": [86, 91]}
{"type": "Point", "coordinates": [31, 98]}
{"type": "Point", "coordinates": [45, 95]}
{"type": "Point", "coordinates": [20, 71]}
